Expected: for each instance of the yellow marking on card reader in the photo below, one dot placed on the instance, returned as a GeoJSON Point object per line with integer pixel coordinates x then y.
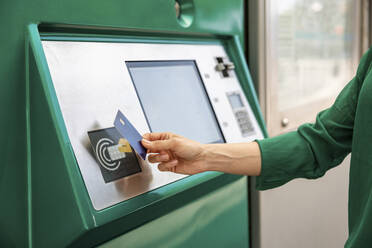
{"type": "Point", "coordinates": [125, 146]}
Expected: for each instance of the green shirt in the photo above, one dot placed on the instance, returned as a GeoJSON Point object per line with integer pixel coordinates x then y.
{"type": "Point", "coordinates": [315, 148]}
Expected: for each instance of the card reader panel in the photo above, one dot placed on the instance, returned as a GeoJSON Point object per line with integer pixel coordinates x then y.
{"type": "Point", "coordinates": [92, 82]}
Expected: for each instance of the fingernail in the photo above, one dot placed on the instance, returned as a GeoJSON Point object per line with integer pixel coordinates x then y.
{"type": "Point", "coordinates": [146, 141]}
{"type": "Point", "coordinates": [164, 157]}
{"type": "Point", "coordinates": [173, 162]}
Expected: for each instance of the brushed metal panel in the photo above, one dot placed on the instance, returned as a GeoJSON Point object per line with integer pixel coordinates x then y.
{"type": "Point", "coordinates": [92, 82]}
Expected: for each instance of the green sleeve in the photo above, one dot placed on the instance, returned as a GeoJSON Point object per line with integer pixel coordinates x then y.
{"type": "Point", "coordinates": [314, 148]}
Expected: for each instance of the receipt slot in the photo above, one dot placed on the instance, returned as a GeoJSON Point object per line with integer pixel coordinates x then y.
{"type": "Point", "coordinates": [83, 183]}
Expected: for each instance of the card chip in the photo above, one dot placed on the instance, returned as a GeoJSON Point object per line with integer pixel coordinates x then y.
{"type": "Point", "coordinates": [124, 146]}
{"type": "Point", "coordinates": [115, 153]}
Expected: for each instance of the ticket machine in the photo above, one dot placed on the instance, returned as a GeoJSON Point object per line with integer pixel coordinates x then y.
{"type": "Point", "coordinates": [88, 186]}
{"type": "Point", "coordinates": [187, 89]}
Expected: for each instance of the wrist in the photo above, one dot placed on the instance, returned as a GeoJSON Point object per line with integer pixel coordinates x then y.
{"type": "Point", "coordinates": [210, 157]}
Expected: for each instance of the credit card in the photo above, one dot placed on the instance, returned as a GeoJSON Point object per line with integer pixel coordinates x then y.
{"type": "Point", "coordinates": [130, 133]}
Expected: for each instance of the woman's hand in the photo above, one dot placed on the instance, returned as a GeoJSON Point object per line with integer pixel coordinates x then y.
{"type": "Point", "coordinates": [181, 155]}
{"type": "Point", "coordinates": [175, 153]}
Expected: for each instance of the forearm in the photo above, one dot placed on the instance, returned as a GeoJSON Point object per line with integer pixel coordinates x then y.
{"type": "Point", "coordinates": [241, 158]}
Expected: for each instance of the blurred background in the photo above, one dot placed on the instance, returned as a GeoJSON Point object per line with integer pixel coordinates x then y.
{"type": "Point", "coordinates": [301, 54]}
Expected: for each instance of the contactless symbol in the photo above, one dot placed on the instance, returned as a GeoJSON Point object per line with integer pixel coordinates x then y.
{"type": "Point", "coordinates": [108, 154]}
{"type": "Point", "coordinates": [114, 154]}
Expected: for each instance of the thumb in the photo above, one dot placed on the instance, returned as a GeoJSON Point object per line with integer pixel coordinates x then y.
{"type": "Point", "coordinates": [157, 145]}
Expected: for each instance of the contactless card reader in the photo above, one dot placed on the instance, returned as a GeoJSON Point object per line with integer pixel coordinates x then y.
{"type": "Point", "coordinates": [113, 153]}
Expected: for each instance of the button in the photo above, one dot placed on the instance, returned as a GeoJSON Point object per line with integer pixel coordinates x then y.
{"type": "Point", "coordinates": [241, 120]}
{"type": "Point", "coordinates": [224, 66]}
{"type": "Point", "coordinates": [246, 126]}
{"type": "Point", "coordinates": [229, 66]}
{"type": "Point", "coordinates": [285, 122]}
{"type": "Point", "coordinates": [241, 113]}
{"type": "Point", "coordinates": [220, 67]}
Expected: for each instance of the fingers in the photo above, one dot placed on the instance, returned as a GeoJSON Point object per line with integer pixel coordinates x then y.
{"type": "Point", "coordinates": [157, 136]}
{"type": "Point", "coordinates": [168, 166]}
{"type": "Point", "coordinates": [158, 145]}
{"type": "Point", "coordinates": [150, 136]}
{"type": "Point", "coordinates": [167, 163]}
{"type": "Point", "coordinates": [158, 158]}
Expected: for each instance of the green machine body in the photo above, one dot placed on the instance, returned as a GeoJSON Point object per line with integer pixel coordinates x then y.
{"type": "Point", "coordinates": [64, 62]}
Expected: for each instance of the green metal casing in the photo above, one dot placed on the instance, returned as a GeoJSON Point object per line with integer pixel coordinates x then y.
{"type": "Point", "coordinates": [44, 202]}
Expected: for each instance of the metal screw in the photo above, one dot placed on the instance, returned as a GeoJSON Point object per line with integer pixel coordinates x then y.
{"type": "Point", "coordinates": [285, 122]}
